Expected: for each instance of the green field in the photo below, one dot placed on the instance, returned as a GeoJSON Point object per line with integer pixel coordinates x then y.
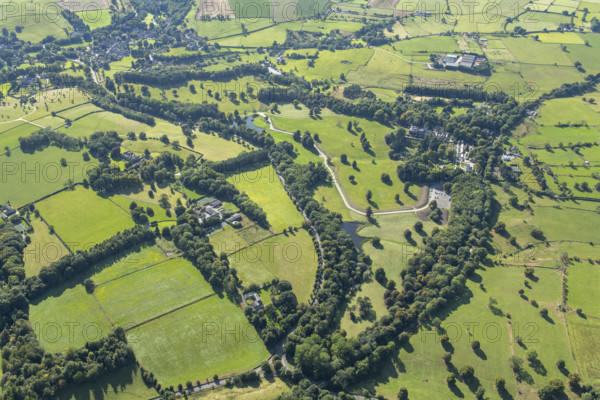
{"type": "Point", "coordinates": [586, 346]}
{"type": "Point", "coordinates": [264, 188]}
{"type": "Point", "coordinates": [29, 177]}
{"type": "Point", "coordinates": [369, 166]}
{"type": "Point", "coordinates": [66, 210]}
{"type": "Point", "coordinates": [291, 257]}
{"type": "Point", "coordinates": [583, 283]}
{"type": "Point", "coordinates": [209, 337]}
{"type": "Point", "coordinates": [43, 249]}
{"type": "Point", "coordinates": [147, 293]}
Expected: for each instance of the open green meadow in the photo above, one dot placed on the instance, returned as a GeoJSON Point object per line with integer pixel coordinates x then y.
{"type": "Point", "coordinates": [66, 210]}
{"type": "Point", "coordinates": [29, 177]}
{"type": "Point", "coordinates": [209, 337]}
{"type": "Point", "coordinates": [290, 257]}
{"type": "Point", "coordinates": [328, 65]}
{"type": "Point", "coordinates": [263, 187]}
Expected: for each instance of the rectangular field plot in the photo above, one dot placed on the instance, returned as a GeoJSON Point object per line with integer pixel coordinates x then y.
{"type": "Point", "coordinates": [68, 317]}
{"type": "Point", "coordinates": [81, 217]}
{"type": "Point", "coordinates": [150, 292]}
{"type": "Point", "coordinates": [264, 188]}
{"type": "Point", "coordinates": [209, 337]}
{"type": "Point", "coordinates": [567, 110]}
{"type": "Point", "coordinates": [29, 177]}
{"type": "Point", "coordinates": [555, 135]}
{"type": "Point", "coordinates": [291, 257]}
{"type": "Point", "coordinates": [584, 287]}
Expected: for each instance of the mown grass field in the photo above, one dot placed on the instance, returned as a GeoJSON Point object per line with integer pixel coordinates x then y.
{"type": "Point", "coordinates": [291, 257]}
{"type": "Point", "coordinates": [328, 65]}
{"type": "Point", "coordinates": [264, 188]}
{"type": "Point", "coordinates": [66, 210]}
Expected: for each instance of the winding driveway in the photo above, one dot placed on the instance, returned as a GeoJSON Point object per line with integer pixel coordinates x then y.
{"type": "Point", "coordinates": [337, 184]}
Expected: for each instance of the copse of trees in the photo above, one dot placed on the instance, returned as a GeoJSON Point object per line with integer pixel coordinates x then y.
{"type": "Point", "coordinates": [46, 137]}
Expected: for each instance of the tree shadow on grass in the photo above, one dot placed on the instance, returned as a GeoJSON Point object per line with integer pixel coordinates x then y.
{"type": "Point", "coordinates": [538, 367]}
{"type": "Point", "coordinates": [480, 353]}
{"type": "Point", "coordinates": [456, 391]}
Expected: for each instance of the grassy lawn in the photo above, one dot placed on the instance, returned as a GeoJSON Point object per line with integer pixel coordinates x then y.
{"type": "Point", "coordinates": [66, 210]}
{"type": "Point", "coordinates": [292, 257]}
{"type": "Point", "coordinates": [28, 177]}
{"type": "Point", "coordinates": [43, 250]}
{"type": "Point", "coordinates": [264, 188]}
{"type": "Point", "coordinates": [209, 337]}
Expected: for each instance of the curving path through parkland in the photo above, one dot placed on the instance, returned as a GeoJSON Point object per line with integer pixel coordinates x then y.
{"type": "Point", "coordinates": [337, 184]}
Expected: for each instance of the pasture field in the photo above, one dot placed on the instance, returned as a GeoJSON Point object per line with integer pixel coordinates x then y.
{"type": "Point", "coordinates": [215, 148]}
{"type": "Point", "coordinates": [123, 384]}
{"type": "Point", "coordinates": [583, 283]}
{"type": "Point", "coordinates": [329, 64]}
{"type": "Point", "coordinates": [209, 337]}
{"type": "Point", "coordinates": [264, 37]}
{"type": "Point", "coordinates": [160, 214]}
{"type": "Point", "coordinates": [538, 21]}
{"type": "Point", "coordinates": [369, 166]}
{"type": "Point", "coordinates": [567, 110]}
{"type": "Point", "coordinates": [43, 250]}
{"type": "Point", "coordinates": [263, 187]}
{"type": "Point", "coordinates": [95, 18]}
{"type": "Point", "coordinates": [66, 210]}
{"type": "Point", "coordinates": [555, 135]}
{"type": "Point", "coordinates": [291, 257]}
{"type": "Point", "coordinates": [11, 132]}
{"type": "Point", "coordinates": [529, 51]}
{"type": "Point", "coordinates": [419, 366]}
{"type": "Point", "coordinates": [584, 335]}
{"type": "Point", "coordinates": [230, 240]}
{"type": "Point", "coordinates": [149, 292]}
{"type": "Point", "coordinates": [68, 317]}
{"type": "Point", "coordinates": [29, 177]}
